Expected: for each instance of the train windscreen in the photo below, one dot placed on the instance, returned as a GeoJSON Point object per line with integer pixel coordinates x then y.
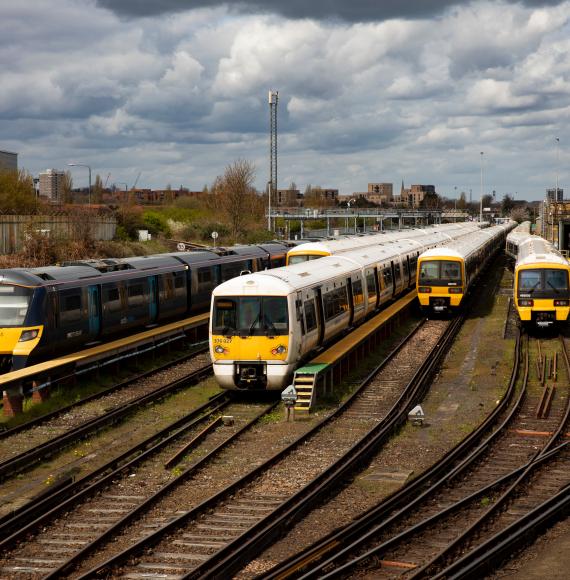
{"type": "Point", "coordinates": [251, 316]}
{"type": "Point", "coordinates": [300, 258]}
{"type": "Point", "coordinates": [543, 283]}
{"type": "Point", "coordinates": [440, 273]}
{"type": "Point", "coordinates": [14, 302]}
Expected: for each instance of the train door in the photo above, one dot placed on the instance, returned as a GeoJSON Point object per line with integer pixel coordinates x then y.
{"type": "Point", "coordinates": [320, 315]}
{"type": "Point", "coordinates": [300, 319]}
{"type": "Point", "coordinates": [407, 272]}
{"type": "Point", "coordinates": [94, 310]}
{"type": "Point", "coordinates": [152, 299]}
{"type": "Point", "coordinates": [350, 300]}
{"type": "Point", "coordinates": [394, 279]}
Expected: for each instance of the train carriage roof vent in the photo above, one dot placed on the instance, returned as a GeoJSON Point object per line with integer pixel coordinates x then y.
{"type": "Point", "coordinates": [304, 274]}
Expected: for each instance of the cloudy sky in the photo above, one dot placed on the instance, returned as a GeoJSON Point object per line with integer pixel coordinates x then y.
{"type": "Point", "coordinates": [368, 91]}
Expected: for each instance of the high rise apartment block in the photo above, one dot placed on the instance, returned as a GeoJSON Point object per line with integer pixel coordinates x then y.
{"type": "Point", "coordinates": [52, 184]}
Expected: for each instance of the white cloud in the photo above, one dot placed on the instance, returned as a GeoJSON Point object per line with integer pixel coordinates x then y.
{"type": "Point", "coordinates": [358, 102]}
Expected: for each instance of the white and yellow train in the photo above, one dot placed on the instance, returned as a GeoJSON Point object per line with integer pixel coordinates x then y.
{"type": "Point", "coordinates": [264, 325]}
{"type": "Point", "coordinates": [445, 274]}
{"type": "Point", "coordinates": [436, 234]}
{"type": "Point", "coordinates": [541, 280]}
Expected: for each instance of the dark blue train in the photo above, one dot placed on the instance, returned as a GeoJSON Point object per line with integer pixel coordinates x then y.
{"type": "Point", "coordinates": [45, 312]}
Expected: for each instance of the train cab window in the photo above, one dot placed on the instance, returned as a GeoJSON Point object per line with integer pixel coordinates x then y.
{"type": "Point", "coordinates": [14, 302]}
{"type": "Point", "coordinates": [70, 308]}
{"type": "Point", "coordinates": [251, 316]}
{"type": "Point", "coordinates": [357, 293]}
{"type": "Point", "coordinates": [310, 315]}
{"type": "Point", "coordinates": [440, 272]}
{"type": "Point", "coordinates": [555, 280]}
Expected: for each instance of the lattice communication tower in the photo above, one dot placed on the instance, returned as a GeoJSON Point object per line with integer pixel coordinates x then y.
{"type": "Point", "coordinates": [273, 99]}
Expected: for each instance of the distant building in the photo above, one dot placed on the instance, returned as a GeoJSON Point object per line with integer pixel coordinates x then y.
{"type": "Point", "coordinates": [8, 160]}
{"type": "Point", "coordinates": [329, 195]}
{"type": "Point", "coordinates": [52, 183]}
{"type": "Point", "coordinates": [379, 193]}
{"type": "Point", "coordinates": [555, 194]}
{"type": "Point", "coordinates": [288, 198]}
{"type": "Point", "coordinates": [413, 196]}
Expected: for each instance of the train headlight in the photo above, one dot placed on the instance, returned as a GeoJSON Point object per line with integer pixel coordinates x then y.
{"type": "Point", "coordinates": [455, 290]}
{"type": "Point", "coordinates": [526, 302]}
{"type": "Point", "coordinates": [279, 350]}
{"type": "Point", "coordinates": [28, 335]}
{"type": "Point", "coordinates": [561, 302]}
{"type": "Point", "coordinates": [219, 349]}
{"type": "Point", "coordinates": [424, 289]}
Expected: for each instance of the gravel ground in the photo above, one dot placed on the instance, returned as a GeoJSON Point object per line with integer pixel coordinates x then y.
{"type": "Point", "coordinates": [92, 452]}
{"type": "Point", "coordinates": [548, 557]}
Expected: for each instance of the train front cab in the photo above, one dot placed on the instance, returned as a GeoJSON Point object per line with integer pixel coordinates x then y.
{"type": "Point", "coordinates": [248, 335]}
{"type": "Point", "coordinates": [440, 283]}
{"type": "Point", "coordinates": [542, 296]}
{"type": "Point", "coordinates": [19, 333]}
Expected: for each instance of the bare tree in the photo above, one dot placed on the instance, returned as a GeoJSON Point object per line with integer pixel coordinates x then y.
{"type": "Point", "coordinates": [235, 195]}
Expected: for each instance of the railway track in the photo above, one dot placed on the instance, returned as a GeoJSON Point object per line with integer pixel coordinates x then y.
{"type": "Point", "coordinates": [36, 442]}
{"type": "Point", "coordinates": [225, 529]}
{"type": "Point", "coordinates": [111, 498]}
{"type": "Point", "coordinates": [415, 532]}
{"type": "Point", "coordinates": [40, 420]}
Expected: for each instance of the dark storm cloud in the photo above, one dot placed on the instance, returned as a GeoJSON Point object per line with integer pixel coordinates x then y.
{"type": "Point", "coordinates": [350, 11]}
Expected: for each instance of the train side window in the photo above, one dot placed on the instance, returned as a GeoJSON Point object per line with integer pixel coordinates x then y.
{"type": "Point", "coordinates": [178, 281]}
{"type": "Point", "coordinates": [387, 274]}
{"type": "Point", "coordinates": [371, 285]}
{"type": "Point", "coordinates": [397, 272]}
{"type": "Point", "coordinates": [310, 315]}
{"type": "Point", "coordinates": [169, 287]}
{"type": "Point", "coordinates": [335, 302]}
{"type": "Point", "coordinates": [357, 293]}
{"type": "Point", "coordinates": [136, 295]}
{"type": "Point", "coordinates": [112, 299]}
{"type": "Point", "coordinates": [205, 279]}
{"type": "Point", "coordinates": [70, 308]}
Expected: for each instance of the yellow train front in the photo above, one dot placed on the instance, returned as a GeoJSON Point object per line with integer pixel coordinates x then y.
{"type": "Point", "coordinates": [441, 279]}
{"type": "Point", "coordinates": [445, 274]}
{"type": "Point", "coordinates": [541, 289]}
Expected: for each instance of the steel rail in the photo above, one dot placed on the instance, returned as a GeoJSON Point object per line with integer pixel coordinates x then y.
{"type": "Point", "coordinates": [57, 412]}
{"type": "Point", "coordinates": [14, 527]}
{"type": "Point", "coordinates": [350, 537]}
{"type": "Point", "coordinates": [70, 563]}
{"type": "Point", "coordinates": [502, 500]}
{"type": "Point", "coordinates": [227, 560]}
{"type": "Point", "coordinates": [15, 465]}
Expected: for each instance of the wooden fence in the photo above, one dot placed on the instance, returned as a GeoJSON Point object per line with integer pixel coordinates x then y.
{"type": "Point", "coordinates": [14, 228]}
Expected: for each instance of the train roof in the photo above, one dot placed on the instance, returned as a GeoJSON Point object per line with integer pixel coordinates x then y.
{"type": "Point", "coordinates": [65, 273]}
{"type": "Point", "coordinates": [152, 261]}
{"type": "Point", "coordinates": [535, 250]}
{"type": "Point", "coordinates": [466, 245]}
{"type": "Point", "coordinates": [432, 234]}
{"type": "Point", "coordinates": [285, 280]}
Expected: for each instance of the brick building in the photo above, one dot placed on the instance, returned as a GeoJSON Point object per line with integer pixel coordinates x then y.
{"type": "Point", "coordinates": [52, 182]}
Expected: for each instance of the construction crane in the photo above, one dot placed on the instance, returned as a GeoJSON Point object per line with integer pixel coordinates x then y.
{"type": "Point", "coordinates": [106, 181]}
{"type": "Point", "coordinates": [136, 180]}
